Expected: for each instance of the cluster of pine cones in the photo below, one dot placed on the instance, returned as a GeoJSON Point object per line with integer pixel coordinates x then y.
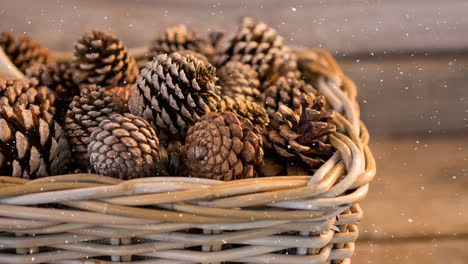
{"type": "Point", "coordinates": [229, 106]}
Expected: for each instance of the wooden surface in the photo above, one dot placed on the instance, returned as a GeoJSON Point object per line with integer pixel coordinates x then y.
{"type": "Point", "coordinates": [344, 26]}
{"type": "Point", "coordinates": [417, 207]}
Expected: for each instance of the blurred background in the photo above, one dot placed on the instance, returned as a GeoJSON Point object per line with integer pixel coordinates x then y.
{"type": "Point", "coordinates": [409, 60]}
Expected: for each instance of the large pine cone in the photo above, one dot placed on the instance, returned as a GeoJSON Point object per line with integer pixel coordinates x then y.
{"type": "Point", "coordinates": [23, 51]}
{"type": "Point", "coordinates": [83, 116]}
{"type": "Point", "coordinates": [26, 94]}
{"type": "Point", "coordinates": [173, 91]}
{"type": "Point", "coordinates": [259, 45]}
{"type": "Point", "coordinates": [125, 147]}
{"type": "Point", "coordinates": [179, 38]}
{"type": "Point", "coordinates": [286, 91]}
{"type": "Point", "coordinates": [298, 135]}
{"type": "Point", "coordinates": [31, 146]}
{"type": "Point", "coordinates": [59, 78]}
{"type": "Point", "coordinates": [223, 146]}
{"type": "Point", "coordinates": [239, 80]}
{"type": "Point", "coordinates": [254, 112]}
{"type": "Point", "coordinates": [101, 58]}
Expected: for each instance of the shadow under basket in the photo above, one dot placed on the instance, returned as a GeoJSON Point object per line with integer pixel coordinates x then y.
{"type": "Point", "coordinates": [88, 218]}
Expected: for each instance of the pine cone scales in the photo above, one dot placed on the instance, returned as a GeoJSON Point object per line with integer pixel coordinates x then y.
{"type": "Point", "coordinates": [101, 58]}
{"type": "Point", "coordinates": [178, 38]}
{"type": "Point", "coordinates": [24, 51]}
{"type": "Point", "coordinates": [297, 135]}
{"type": "Point", "coordinates": [173, 91]}
{"type": "Point", "coordinates": [223, 146]}
{"type": "Point", "coordinates": [31, 146]}
{"type": "Point", "coordinates": [254, 112]}
{"type": "Point", "coordinates": [239, 80]}
{"type": "Point", "coordinates": [259, 45]}
{"type": "Point", "coordinates": [121, 95]}
{"type": "Point", "coordinates": [25, 94]}
{"type": "Point", "coordinates": [124, 146]}
{"type": "Point", "coordinates": [59, 78]}
{"type": "Point", "coordinates": [286, 91]}
{"type": "Point", "coordinates": [83, 116]}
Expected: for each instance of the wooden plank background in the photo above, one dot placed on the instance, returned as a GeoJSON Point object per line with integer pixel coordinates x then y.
{"type": "Point", "coordinates": [409, 60]}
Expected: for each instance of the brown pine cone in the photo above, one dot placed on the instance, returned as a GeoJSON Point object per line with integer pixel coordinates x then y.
{"type": "Point", "coordinates": [239, 80]}
{"type": "Point", "coordinates": [31, 146]}
{"type": "Point", "coordinates": [125, 147]}
{"type": "Point", "coordinates": [83, 116]}
{"type": "Point", "coordinates": [259, 45]}
{"type": "Point", "coordinates": [254, 112]}
{"type": "Point", "coordinates": [121, 95]}
{"type": "Point", "coordinates": [101, 58]}
{"type": "Point", "coordinates": [59, 78]}
{"type": "Point", "coordinates": [299, 135]}
{"type": "Point", "coordinates": [23, 51]}
{"type": "Point", "coordinates": [26, 94]}
{"type": "Point", "coordinates": [286, 91]}
{"type": "Point", "coordinates": [170, 162]}
{"type": "Point", "coordinates": [178, 38]}
{"type": "Point", "coordinates": [223, 146]}
{"type": "Point", "coordinates": [173, 91]}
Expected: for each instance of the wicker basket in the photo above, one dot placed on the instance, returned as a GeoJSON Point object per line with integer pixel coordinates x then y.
{"type": "Point", "coordinates": [87, 218]}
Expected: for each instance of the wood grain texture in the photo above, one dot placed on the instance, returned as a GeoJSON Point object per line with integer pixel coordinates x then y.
{"type": "Point", "coordinates": [436, 251]}
{"type": "Point", "coordinates": [342, 26]}
{"type": "Point", "coordinates": [411, 94]}
{"type": "Point", "coordinates": [421, 189]}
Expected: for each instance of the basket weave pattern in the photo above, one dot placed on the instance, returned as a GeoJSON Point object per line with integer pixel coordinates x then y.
{"type": "Point", "coordinates": [288, 219]}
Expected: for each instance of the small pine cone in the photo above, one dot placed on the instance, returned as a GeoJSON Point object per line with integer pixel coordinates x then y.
{"type": "Point", "coordinates": [254, 112]}
{"type": "Point", "coordinates": [31, 146]}
{"type": "Point", "coordinates": [101, 58]}
{"type": "Point", "coordinates": [124, 146]}
{"type": "Point", "coordinates": [223, 146]}
{"type": "Point", "coordinates": [173, 91]}
{"type": "Point", "coordinates": [23, 51]}
{"type": "Point", "coordinates": [256, 44]}
{"type": "Point", "coordinates": [171, 161]}
{"type": "Point", "coordinates": [59, 78]}
{"type": "Point", "coordinates": [287, 91]}
{"type": "Point", "coordinates": [178, 38]}
{"type": "Point", "coordinates": [239, 80]}
{"type": "Point", "coordinates": [299, 135]}
{"type": "Point", "coordinates": [26, 94]}
{"type": "Point", "coordinates": [83, 116]}
{"type": "Point", "coordinates": [121, 95]}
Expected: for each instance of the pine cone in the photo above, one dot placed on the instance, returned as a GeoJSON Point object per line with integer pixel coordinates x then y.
{"type": "Point", "coordinates": [124, 146]}
{"type": "Point", "coordinates": [223, 146]}
{"type": "Point", "coordinates": [297, 135]}
{"type": "Point", "coordinates": [83, 116]}
{"type": "Point", "coordinates": [170, 161]}
{"type": "Point", "coordinates": [25, 94]}
{"type": "Point", "coordinates": [173, 91]}
{"type": "Point", "coordinates": [31, 146]}
{"type": "Point", "coordinates": [23, 51]}
{"type": "Point", "coordinates": [101, 58]}
{"type": "Point", "coordinates": [239, 80]}
{"type": "Point", "coordinates": [121, 95]}
{"type": "Point", "coordinates": [287, 91]}
{"type": "Point", "coordinates": [254, 112]}
{"type": "Point", "coordinates": [259, 45]}
{"type": "Point", "coordinates": [178, 38]}
{"type": "Point", "coordinates": [59, 78]}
